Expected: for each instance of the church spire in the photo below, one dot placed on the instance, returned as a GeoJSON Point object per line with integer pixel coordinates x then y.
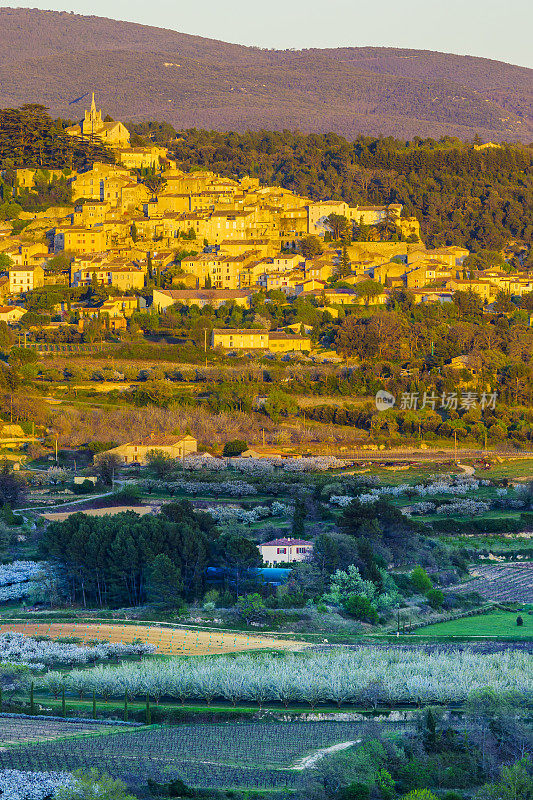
{"type": "Point", "coordinates": [92, 123]}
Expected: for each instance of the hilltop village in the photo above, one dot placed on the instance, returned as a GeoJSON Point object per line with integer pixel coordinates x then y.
{"type": "Point", "coordinates": [244, 421]}
{"type": "Point", "coordinates": [200, 239]}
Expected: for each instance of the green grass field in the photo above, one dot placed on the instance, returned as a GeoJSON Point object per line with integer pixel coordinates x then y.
{"type": "Point", "coordinates": [515, 469]}
{"type": "Point", "coordinates": [498, 624]}
{"type": "Point", "coordinates": [493, 542]}
{"type": "Point", "coordinates": [498, 514]}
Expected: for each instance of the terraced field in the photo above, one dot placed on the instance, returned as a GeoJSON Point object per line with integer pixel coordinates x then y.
{"type": "Point", "coordinates": [167, 641]}
{"type": "Point", "coordinates": [511, 582]}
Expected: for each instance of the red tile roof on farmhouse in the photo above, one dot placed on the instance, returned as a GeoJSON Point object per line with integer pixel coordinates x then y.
{"type": "Point", "coordinates": [280, 542]}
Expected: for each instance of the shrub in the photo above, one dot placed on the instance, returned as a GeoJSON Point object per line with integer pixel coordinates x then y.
{"type": "Point", "coordinates": [107, 466]}
{"type": "Point", "coordinates": [355, 791]}
{"type": "Point", "coordinates": [9, 517]}
{"type": "Point", "coordinates": [404, 584]}
{"type": "Point", "coordinates": [129, 495]}
{"type": "Point", "coordinates": [91, 785]}
{"type": "Point", "coordinates": [360, 607]}
{"type": "Point", "coordinates": [175, 788]}
{"type": "Point", "coordinates": [421, 581]}
{"type": "Point", "coordinates": [160, 462]}
{"type": "Point", "coordinates": [420, 794]}
{"type": "Point", "coordinates": [234, 448]}
{"type": "Point", "coordinates": [386, 786]}
{"type": "Point", "coordinates": [83, 488]}
{"type": "Point", "coordinates": [101, 447]}
{"type": "Point", "coordinates": [519, 621]}
{"type": "Point", "coordinates": [251, 608]}
{"type": "Point", "coordinates": [277, 618]}
{"type": "Point", "coordinates": [435, 598]}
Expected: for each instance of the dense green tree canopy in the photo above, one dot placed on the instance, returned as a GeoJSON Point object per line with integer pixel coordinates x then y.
{"type": "Point", "coordinates": [476, 198]}
{"type": "Point", "coordinates": [30, 138]}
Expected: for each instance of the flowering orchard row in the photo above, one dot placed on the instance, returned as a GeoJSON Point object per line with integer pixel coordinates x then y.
{"type": "Point", "coordinates": [16, 648]}
{"type": "Point", "coordinates": [366, 676]}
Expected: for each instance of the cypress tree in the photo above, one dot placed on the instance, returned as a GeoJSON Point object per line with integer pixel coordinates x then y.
{"type": "Point", "coordinates": [430, 737]}
{"type": "Point", "coordinates": [298, 518]}
{"type": "Point", "coordinates": [148, 712]}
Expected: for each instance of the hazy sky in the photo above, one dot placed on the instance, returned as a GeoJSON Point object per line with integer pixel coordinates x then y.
{"type": "Point", "coordinates": [498, 29]}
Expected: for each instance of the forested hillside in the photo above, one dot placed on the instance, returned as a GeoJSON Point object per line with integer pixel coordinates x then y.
{"type": "Point", "coordinates": [481, 199]}
{"type": "Point", "coordinates": [144, 72]}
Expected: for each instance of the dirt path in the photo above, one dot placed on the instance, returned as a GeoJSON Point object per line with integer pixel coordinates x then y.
{"type": "Point", "coordinates": [62, 505]}
{"type": "Point", "coordinates": [166, 640]}
{"type": "Point", "coordinates": [308, 762]}
{"type": "Point", "coordinates": [466, 469]}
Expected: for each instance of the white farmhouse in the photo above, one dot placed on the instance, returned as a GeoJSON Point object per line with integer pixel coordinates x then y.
{"type": "Point", "coordinates": [285, 551]}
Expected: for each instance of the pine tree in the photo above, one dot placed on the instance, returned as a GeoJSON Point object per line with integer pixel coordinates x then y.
{"type": "Point", "coordinates": [164, 583]}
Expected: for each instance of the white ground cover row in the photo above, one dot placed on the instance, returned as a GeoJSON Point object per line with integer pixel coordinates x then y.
{"type": "Point", "coordinates": [15, 648]}
{"type": "Point", "coordinates": [15, 785]}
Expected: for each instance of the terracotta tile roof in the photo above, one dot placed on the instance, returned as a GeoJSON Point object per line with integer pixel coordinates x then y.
{"type": "Point", "coordinates": [286, 542]}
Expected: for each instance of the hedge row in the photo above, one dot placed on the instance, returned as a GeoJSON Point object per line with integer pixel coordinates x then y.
{"type": "Point", "coordinates": [484, 525]}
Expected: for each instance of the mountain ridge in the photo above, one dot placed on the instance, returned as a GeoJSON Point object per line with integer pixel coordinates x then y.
{"type": "Point", "coordinates": [144, 72]}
